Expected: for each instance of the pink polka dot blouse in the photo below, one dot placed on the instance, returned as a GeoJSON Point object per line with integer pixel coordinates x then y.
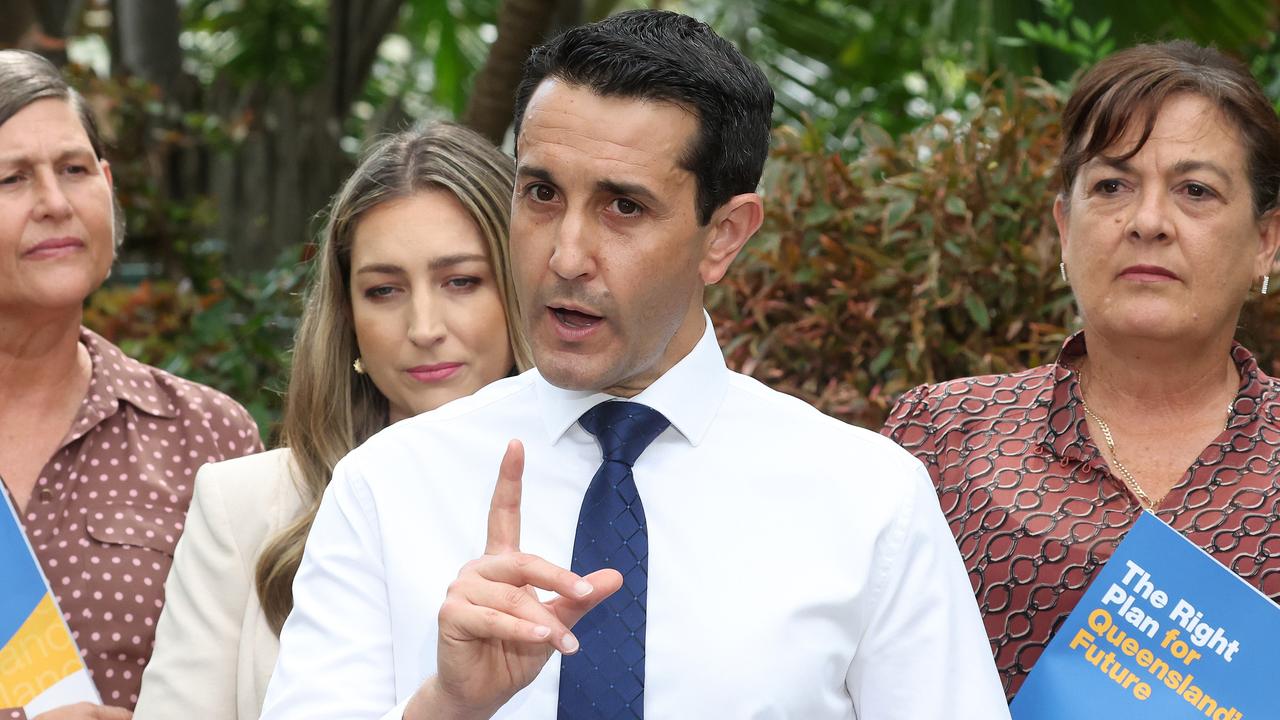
{"type": "Point", "coordinates": [108, 508]}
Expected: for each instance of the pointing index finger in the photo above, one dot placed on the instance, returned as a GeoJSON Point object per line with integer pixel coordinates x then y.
{"type": "Point", "coordinates": [504, 509]}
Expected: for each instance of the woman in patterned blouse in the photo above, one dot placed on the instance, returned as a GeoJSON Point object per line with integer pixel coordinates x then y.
{"type": "Point", "coordinates": [98, 452]}
{"type": "Point", "coordinates": [1167, 217]}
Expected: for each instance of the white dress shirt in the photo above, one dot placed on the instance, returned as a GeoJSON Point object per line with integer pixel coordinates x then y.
{"type": "Point", "coordinates": [799, 567]}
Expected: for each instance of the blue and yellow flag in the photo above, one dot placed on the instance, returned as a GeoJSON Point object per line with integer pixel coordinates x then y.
{"type": "Point", "coordinates": [40, 665]}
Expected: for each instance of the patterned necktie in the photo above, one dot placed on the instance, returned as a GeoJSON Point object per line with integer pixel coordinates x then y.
{"type": "Point", "coordinates": [605, 678]}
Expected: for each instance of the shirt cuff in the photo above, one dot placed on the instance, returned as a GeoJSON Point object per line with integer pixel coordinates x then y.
{"type": "Point", "coordinates": [397, 712]}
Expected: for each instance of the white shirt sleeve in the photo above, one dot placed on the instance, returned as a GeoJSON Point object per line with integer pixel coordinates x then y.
{"type": "Point", "coordinates": [335, 649]}
{"type": "Point", "coordinates": [925, 654]}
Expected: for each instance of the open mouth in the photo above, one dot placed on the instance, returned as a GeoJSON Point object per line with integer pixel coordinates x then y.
{"type": "Point", "coordinates": [575, 318]}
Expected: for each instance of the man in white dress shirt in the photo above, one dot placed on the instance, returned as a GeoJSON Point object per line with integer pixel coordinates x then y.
{"type": "Point", "coordinates": [777, 562]}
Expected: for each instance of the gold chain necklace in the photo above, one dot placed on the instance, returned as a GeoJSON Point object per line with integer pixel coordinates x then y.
{"type": "Point", "coordinates": [1129, 480]}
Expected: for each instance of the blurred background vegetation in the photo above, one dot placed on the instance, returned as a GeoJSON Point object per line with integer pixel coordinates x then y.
{"type": "Point", "coordinates": [908, 236]}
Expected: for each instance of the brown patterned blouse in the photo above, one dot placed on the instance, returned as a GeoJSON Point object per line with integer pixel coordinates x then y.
{"type": "Point", "coordinates": [107, 509]}
{"type": "Point", "coordinates": [1036, 510]}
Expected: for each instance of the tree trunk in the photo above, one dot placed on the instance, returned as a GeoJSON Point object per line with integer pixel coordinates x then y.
{"type": "Point", "coordinates": [38, 26]}
{"type": "Point", "coordinates": [270, 187]}
{"type": "Point", "coordinates": [16, 18]}
{"type": "Point", "coordinates": [147, 32]}
{"type": "Point", "coordinates": [522, 24]}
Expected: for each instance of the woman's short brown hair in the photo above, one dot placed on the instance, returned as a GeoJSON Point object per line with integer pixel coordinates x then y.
{"type": "Point", "coordinates": [25, 77]}
{"type": "Point", "coordinates": [1132, 85]}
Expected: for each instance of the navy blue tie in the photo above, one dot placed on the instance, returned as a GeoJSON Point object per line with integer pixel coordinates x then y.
{"type": "Point", "coordinates": [605, 678]}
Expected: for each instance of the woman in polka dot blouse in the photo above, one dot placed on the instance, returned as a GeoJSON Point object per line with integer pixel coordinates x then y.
{"type": "Point", "coordinates": [407, 311]}
{"type": "Point", "coordinates": [97, 451]}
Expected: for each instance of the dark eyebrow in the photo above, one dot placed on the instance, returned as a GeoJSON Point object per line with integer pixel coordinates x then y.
{"type": "Point", "coordinates": [438, 263]}
{"type": "Point", "coordinates": [1189, 166]}
{"type": "Point", "coordinates": [383, 268]}
{"type": "Point", "coordinates": [1182, 167]}
{"type": "Point", "coordinates": [446, 261]}
{"type": "Point", "coordinates": [534, 172]}
{"type": "Point", "coordinates": [611, 187]}
{"type": "Point", "coordinates": [1117, 164]}
{"type": "Point", "coordinates": [638, 192]}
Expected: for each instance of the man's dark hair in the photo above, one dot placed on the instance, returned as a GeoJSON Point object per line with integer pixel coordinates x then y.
{"type": "Point", "coordinates": [665, 56]}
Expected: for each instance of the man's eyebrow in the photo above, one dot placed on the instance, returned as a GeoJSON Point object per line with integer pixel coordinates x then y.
{"type": "Point", "coordinates": [638, 192]}
{"type": "Point", "coordinates": [535, 172]}
{"type": "Point", "coordinates": [612, 187]}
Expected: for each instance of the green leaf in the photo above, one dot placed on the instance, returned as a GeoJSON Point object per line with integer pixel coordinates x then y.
{"type": "Point", "coordinates": [448, 88]}
{"type": "Point", "coordinates": [978, 311]}
{"type": "Point", "coordinates": [954, 206]}
{"type": "Point", "coordinates": [1081, 29]}
{"type": "Point", "coordinates": [898, 211]}
{"type": "Point", "coordinates": [874, 136]}
{"type": "Point", "coordinates": [1101, 29]}
{"type": "Point", "coordinates": [819, 214]}
{"type": "Point", "coordinates": [880, 361]}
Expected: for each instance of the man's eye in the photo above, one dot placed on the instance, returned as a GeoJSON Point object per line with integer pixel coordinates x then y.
{"type": "Point", "coordinates": [626, 207]}
{"type": "Point", "coordinates": [543, 193]}
{"type": "Point", "coordinates": [1108, 187]}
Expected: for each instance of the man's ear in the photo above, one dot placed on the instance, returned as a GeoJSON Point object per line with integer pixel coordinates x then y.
{"type": "Point", "coordinates": [732, 226]}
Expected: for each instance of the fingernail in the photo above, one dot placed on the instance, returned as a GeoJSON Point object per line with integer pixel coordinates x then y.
{"type": "Point", "coordinates": [570, 644]}
{"type": "Point", "coordinates": [541, 631]}
{"type": "Point", "coordinates": [583, 588]}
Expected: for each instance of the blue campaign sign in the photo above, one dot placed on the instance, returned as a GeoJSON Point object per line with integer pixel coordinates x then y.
{"type": "Point", "coordinates": [20, 576]}
{"type": "Point", "coordinates": [1164, 632]}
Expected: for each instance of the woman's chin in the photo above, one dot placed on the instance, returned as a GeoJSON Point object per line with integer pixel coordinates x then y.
{"type": "Point", "coordinates": [66, 291]}
{"type": "Point", "coordinates": [1153, 323]}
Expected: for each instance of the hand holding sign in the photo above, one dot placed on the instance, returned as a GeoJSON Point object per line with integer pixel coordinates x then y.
{"type": "Point", "coordinates": [495, 635]}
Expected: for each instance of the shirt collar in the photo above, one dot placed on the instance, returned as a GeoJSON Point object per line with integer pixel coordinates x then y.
{"type": "Point", "coordinates": [689, 394]}
{"type": "Point", "coordinates": [1065, 429]}
{"type": "Point", "coordinates": [118, 377]}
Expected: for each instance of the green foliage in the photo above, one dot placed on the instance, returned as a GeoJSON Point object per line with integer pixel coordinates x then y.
{"type": "Point", "coordinates": [1086, 44]}
{"type": "Point", "coordinates": [235, 337]}
{"type": "Point", "coordinates": [166, 235]}
{"type": "Point", "coordinates": [429, 62]}
{"type": "Point", "coordinates": [899, 63]}
{"type": "Point", "coordinates": [921, 259]}
{"type": "Point", "coordinates": [277, 41]}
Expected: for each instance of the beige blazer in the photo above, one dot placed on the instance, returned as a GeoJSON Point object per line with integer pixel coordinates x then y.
{"type": "Point", "coordinates": [214, 650]}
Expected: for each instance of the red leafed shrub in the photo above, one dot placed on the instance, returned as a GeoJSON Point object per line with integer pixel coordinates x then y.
{"type": "Point", "coordinates": [921, 259]}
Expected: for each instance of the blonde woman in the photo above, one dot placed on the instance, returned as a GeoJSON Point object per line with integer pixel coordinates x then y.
{"type": "Point", "coordinates": [411, 308]}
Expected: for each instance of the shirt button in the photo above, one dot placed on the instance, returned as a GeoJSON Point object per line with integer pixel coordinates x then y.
{"type": "Point", "coordinates": [46, 494]}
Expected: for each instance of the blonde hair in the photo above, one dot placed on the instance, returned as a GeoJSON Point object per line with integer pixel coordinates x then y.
{"type": "Point", "coordinates": [329, 409]}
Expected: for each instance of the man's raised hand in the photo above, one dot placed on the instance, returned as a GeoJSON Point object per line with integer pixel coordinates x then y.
{"type": "Point", "coordinates": [495, 635]}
